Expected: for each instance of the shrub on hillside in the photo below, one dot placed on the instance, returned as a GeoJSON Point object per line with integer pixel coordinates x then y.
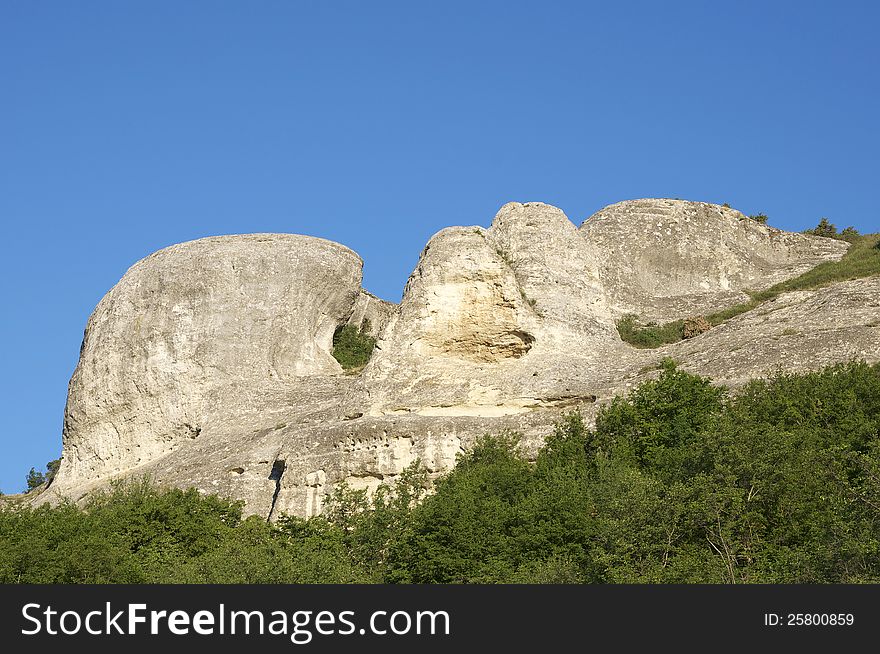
{"type": "Point", "coordinates": [650, 335]}
{"type": "Point", "coordinates": [35, 478]}
{"type": "Point", "coordinates": [825, 229]}
{"type": "Point", "coordinates": [829, 230]}
{"type": "Point", "coordinates": [352, 347]}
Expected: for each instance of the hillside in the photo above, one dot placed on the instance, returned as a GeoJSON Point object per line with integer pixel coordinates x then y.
{"type": "Point", "coordinates": [210, 365]}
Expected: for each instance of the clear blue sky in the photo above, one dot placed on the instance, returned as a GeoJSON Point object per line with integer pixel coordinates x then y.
{"type": "Point", "coordinates": [129, 126]}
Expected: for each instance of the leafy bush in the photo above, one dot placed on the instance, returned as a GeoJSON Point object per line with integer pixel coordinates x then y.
{"type": "Point", "coordinates": [35, 479]}
{"type": "Point", "coordinates": [461, 534]}
{"type": "Point", "coordinates": [658, 426]}
{"type": "Point", "coordinates": [651, 335]}
{"type": "Point", "coordinates": [352, 347]}
{"type": "Point", "coordinates": [759, 218]}
{"type": "Point", "coordinates": [825, 229]}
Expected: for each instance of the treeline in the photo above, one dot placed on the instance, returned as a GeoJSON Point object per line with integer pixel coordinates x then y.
{"type": "Point", "coordinates": [680, 482]}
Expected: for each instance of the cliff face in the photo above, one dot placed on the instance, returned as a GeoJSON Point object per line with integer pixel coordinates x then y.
{"type": "Point", "coordinates": [197, 331]}
{"type": "Point", "coordinates": [667, 259]}
{"type": "Point", "coordinates": [209, 364]}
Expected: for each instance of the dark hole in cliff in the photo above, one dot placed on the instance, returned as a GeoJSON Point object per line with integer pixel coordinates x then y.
{"type": "Point", "coordinates": [277, 470]}
{"type": "Point", "coordinates": [276, 475]}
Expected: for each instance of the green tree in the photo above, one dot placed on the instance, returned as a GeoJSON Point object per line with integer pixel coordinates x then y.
{"type": "Point", "coordinates": [35, 479]}
{"type": "Point", "coordinates": [659, 426]}
{"type": "Point", "coordinates": [464, 532]}
{"type": "Point", "coordinates": [52, 468]}
{"type": "Point", "coordinates": [824, 228]}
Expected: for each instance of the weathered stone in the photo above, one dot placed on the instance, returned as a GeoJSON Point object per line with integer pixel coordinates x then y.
{"type": "Point", "coordinates": [371, 313]}
{"type": "Point", "coordinates": [798, 331]}
{"type": "Point", "coordinates": [208, 365]}
{"type": "Point", "coordinates": [192, 334]}
{"type": "Point", "coordinates": [664, 259]}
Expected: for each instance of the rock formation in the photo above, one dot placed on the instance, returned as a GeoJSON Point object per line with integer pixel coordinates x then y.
{"type": "Point", "coordinates": [209, 364]}
{"type": "Point", "coordinates": [668, 259]}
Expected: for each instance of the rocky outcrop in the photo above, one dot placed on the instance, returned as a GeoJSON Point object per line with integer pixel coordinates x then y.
{"type": "Point", "coordinates": [495, 321]}
{"type": "Point", "coordinates": [209, 364]}
{"type": "Point", "coordinates": [665, 259]}
{"type": "Point", "coordinates": [197, 331]}
{"type": "Point", "coordinates": [801, 330]}
{"type": "Point", "coordinates": [370, 313]}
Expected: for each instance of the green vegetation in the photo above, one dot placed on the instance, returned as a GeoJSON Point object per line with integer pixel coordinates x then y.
{"type": "Point", "coordinates": [352, 347]}
{"type": "Point", "coordinates": [680, 482]}
{"type": "Point", "coordinates": [651, 335]}
{"type": "Point", "coordinates": [759, 218]}
{"type": "Point", "coordinates": [140, 534]}
{"type": "Point", "coordinates": [829, 230]}
{"type": "Point", "coordinates": [532, 302]}
{"type": "Point", "coordinates": [824, 228]}
{"type": "Point", "coordinates": [36, 479]}
{"type": "Point", "coordinates": [503, 256]}
{"type": "Point", "coordinates": [861, 260]}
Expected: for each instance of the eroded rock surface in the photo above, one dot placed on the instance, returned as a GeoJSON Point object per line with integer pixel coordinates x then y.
{"type": "Point", "coordinates": [209, 364]}
{"type": "Point", "coordinates": [668, 259]}
{"type": "Point", "coordinates": [195, 332]}
{"type": "Point", "coordinates": [371, 313]}
{"type": "Point", "coordinates": [496, 321]}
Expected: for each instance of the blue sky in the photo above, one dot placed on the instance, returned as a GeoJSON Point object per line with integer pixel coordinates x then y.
{"type": "Point", "coordinates": [129, 126]}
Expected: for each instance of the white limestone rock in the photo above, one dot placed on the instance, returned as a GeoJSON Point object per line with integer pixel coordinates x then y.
{"type": "Point", "coordinates": [193, 333]}
{"type": "Point", "coordinates": [209, 365]}
{"type": "Point", "coordinates": [669, 259]}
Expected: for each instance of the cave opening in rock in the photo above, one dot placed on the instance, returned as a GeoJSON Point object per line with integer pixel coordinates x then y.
{"type": "Point", "coordinates": [277, 473]}
{"type": "Point", "coordinates": [277, 470]}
